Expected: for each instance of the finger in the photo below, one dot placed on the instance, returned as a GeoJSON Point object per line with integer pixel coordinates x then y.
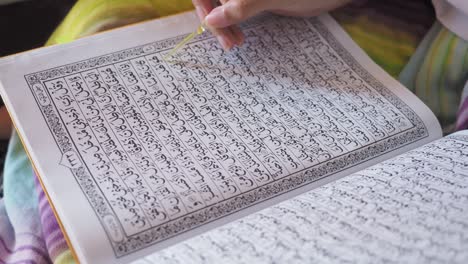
{"type": "Point", "coordinates": [229, 37]}
{"type": "Point", "coordinates": [225, 38]}
{"type": "Point", "coordinates": [238, 35]}
{"type": "Point", "coordinates": [233, 12]}
{"type": "Point", "coordinates": [202, 7]}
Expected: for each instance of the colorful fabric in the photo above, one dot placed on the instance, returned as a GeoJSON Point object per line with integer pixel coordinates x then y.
{"type": "Point", "coordinates": [55, 242]}
{"type": "Point", "coordinates": [90, 16]}
{"type": "Point", "coordinates": [29, 232]}
{"type": "Point", "coordinates": [462, 116]}
{"type": "Point", "coordinates": [389, 31]}
{"type": "Point", "coordinates": [437, 73]}
{"type": "Point", "coordinates": [21, 236]}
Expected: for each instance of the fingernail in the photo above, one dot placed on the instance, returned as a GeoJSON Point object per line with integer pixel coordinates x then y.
{"type": "Point", "coordinates": [215, 18]}
{"type": "Point", "coordinates": [224, 43]}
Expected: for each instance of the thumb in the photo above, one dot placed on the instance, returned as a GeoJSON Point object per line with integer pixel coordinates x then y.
{"type": "Point", "coordinates": [233, 12]}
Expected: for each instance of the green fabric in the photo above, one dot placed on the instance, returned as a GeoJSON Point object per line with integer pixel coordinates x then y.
{"type": "Point", "coordinates": [434, 68]}
{"type": "Point", "coordinates": [390, 48]}
{"type": "Point", "coordinates": [437, 73]}
{"type": "Point", "coordinates": [17, 176]}
{"type": "Point", "coordinates": [89, 16]}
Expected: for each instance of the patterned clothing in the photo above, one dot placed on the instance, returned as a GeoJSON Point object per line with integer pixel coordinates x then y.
{"type": "Point", "coordinates": [29, 232]}
{"type": "Point", "coordinates": [437, 73]}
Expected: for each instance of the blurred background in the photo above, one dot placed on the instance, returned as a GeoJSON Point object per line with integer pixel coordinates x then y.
{"type": "Point", "coordinates": [27, 24]}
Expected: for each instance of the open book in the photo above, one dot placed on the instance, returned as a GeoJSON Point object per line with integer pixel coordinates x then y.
{"type": "Point", "coordinates": [213, 156]}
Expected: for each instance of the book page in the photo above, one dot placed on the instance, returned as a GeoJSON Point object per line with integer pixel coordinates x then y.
{"type": "Point", "coordinates": [410, 209]}
{"type": "Point", "coordinates": [138, 153]}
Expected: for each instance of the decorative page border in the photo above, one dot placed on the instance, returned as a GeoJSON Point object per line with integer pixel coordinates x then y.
{"type": "Point", "coordinates": [203, 216]}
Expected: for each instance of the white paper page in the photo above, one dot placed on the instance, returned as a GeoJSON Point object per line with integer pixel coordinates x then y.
{"type": "Point", "coordinates": [138, 153]}
{"type": "Point", "coordinates": [410, 209]}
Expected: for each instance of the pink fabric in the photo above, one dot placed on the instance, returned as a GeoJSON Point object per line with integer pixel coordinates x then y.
{"type": "Point", "coordinates": [34, 236]}
{"type": "Point", "coordinates": [462, 117]}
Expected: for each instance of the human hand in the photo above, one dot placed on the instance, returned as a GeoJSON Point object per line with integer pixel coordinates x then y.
{"type": "Point", "coordinates": [223, 20]}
